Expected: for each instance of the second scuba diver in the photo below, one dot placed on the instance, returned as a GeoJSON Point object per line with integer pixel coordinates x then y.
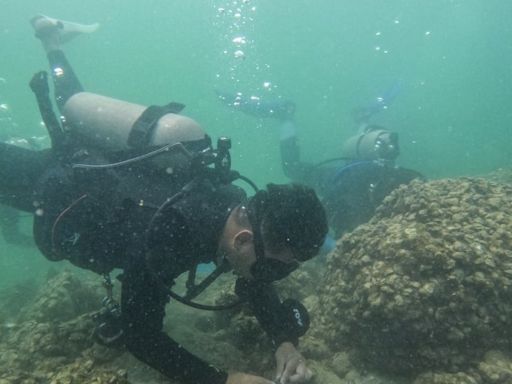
{"type": "Point", "coordinates": [352, 186]}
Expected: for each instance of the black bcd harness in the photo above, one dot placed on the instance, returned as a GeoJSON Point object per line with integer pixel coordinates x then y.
{"type": "Point", "coordinates": [209, 164]}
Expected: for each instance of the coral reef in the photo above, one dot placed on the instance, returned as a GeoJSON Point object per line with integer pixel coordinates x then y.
{"type": "Point", "coordinates": [427, 283]}
{"type": "Point", "coordinates": [50, 340]}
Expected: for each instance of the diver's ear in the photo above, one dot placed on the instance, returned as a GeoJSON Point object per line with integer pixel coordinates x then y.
{"type": "Point", "coordinates": [244, 238]}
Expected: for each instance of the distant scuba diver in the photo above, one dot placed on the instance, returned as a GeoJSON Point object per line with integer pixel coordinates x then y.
{"type": "Point", "coordinates": [351, 186]}
{"type": "Point", "coordinates": [143, 190]}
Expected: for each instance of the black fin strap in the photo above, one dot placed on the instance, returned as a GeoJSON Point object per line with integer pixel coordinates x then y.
{"type": "Point", "coordinates": [147, 121]}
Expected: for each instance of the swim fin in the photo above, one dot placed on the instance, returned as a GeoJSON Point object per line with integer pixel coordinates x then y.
{"type": "Point", "coordinates": [67, 30]}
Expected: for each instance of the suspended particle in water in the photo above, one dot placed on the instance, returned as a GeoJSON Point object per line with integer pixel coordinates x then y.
{"type": "Point", "coordinates": [239, 40]}
{"type": "Point", "coordinates": [427, 33]}
{"type": "Point", "coordinates": [239, 54]}
{"type": "Point", "coordinates": [267, 85]}
{"type": "Point", "coordinates": [378, 33]}
{"type": "Point", "coordinates": [238, 99]}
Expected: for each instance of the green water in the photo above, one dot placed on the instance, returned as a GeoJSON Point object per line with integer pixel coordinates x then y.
{"type": "Point", "coordinates": [452, 59]}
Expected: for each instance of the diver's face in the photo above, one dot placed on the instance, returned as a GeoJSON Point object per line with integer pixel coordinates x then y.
{"type": "Point", "coordinates": [274, 266]}
{"type": "Point", "coordinates": [241, 255]}
{"type": "Point", "coordinates": [269, 267]}
{"type": "Point", "coordinates": [237, 247]}
{"type": "Point", "coordinates": [236, 244]}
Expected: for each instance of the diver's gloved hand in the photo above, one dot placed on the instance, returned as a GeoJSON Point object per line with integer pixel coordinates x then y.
{"type": "Point", "coordinates": [291, 365]}
{"type": "Point", "coordinates": [243, 378]}
{"type": "Point", "coordinates": [39, 83]}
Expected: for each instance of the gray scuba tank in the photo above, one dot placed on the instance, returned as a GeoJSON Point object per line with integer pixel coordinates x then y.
{"type": "Point", "coordinates": [373, 144]}
{"type": "Point", "coordinates": [108, 123]}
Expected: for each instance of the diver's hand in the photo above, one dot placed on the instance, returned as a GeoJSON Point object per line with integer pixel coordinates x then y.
{"type": "Point", "coordinates": [243, 378]}
{"type": "Point", "coordinates": [39, 83]}
{"type": "Point", "coordinates": [291, 365]}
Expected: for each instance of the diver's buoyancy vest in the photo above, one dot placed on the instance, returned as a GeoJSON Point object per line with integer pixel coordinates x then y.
{"type": "Point", "coordinates": [93, 218]}
{"type": "Point", "coordinates": [86, 215]}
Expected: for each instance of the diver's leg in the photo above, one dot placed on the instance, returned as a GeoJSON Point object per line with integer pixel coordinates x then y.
{"type": "Point", "coordinates": [65, 81]}
{"type": "Point", "coordinates": [20, 169]}
{"type": "Point", "coordinates": [53, 33]}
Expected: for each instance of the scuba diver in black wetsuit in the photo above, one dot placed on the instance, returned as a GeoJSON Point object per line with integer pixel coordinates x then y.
{"type": "Point", "coordinates": [352, 186]}
{"type": "Point", "coordinates": [143, 190]}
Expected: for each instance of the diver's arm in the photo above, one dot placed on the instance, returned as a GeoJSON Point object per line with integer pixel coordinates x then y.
{"type": "Point", "coordinates": [269, 310]}
{"type": "Point", "coordinates": [143, 309]}
{"type": "Point", "coordinates": [284, 322]}
{"type": "Point", "coordinates": [39, 85]}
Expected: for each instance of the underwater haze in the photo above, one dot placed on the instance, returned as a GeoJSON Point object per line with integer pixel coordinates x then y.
{"type": "Point", "coordinates": [447, 62]}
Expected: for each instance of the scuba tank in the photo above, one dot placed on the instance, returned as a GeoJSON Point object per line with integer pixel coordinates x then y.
{"type": "Point", "coordinates": [373, 144]}
{"type": "Point", "coordinates": [114, 125]}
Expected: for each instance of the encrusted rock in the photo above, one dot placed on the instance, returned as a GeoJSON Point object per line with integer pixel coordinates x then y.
{"type": "Point", "coordinates": [64, 296]}
{"type": "Point", "coordinates": [427, 283]}
{"type": "Point", "coordinates": [447, 378]}
{"type": "Point", "coordinates": [496, 368]}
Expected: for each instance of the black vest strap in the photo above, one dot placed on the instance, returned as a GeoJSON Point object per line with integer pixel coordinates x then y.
{"type": "Point", "coordinates": [147, 121]}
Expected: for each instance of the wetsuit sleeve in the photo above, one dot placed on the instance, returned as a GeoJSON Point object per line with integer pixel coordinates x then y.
{"type": "Point", "coordinates": [266, 306]}
{"type": "Point", "coordinates": [143, 310]}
